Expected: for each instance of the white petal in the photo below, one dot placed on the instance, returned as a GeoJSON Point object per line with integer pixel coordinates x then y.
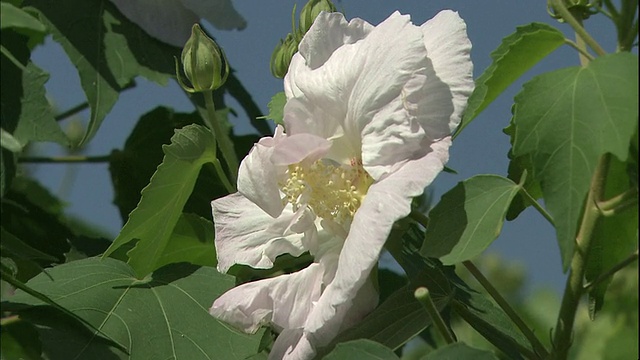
{"type": "Point", "coordinates": [258, 176]}
{"type": "Point", "coordinates": [329, 32]}
{"type": "Point", "coordinates": [364, 85]}
{"type": "Point", "coordinates": [448, 48]}
{"type": "Point", "coordinates": [247, 235]}
{"type": "Point", "coordinates": [220, 13]}
{"type": "Point", "coordinates": [284, 301]}
{"type": "Point", "coordinates": [296, 148]}
{"type": "Point", "coordinates": [166, 20]}
{"type": "Point", "coordinates": [386, 201]}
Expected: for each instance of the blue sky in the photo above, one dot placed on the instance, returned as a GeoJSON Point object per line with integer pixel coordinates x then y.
{"type": "Point", "coordinates": [480, 149]}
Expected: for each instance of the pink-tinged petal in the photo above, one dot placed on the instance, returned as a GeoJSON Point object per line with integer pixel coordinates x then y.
{"type": "Point", "coordinates": [303, 349]}
{"type": "Point", "coordinates": [247, 235]}
{"type": "Point", "coordinates": [387, 201]}
{"type": "Point", "coordinates": [296, 148]}
{"type": "Point", "coordinates": [284, 301]}
{"type": "Point", "coordinates": [448, 48]}
{"type": "Point", "coordinates": [258, 176]}
{"type": "Point", "coordinates": [166, 20]}
{"type": "Point", "coordinates": [220, 13]}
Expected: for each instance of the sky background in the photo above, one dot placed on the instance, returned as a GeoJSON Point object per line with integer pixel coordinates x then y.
{"type": "Point", "coordinates": [480, 149]}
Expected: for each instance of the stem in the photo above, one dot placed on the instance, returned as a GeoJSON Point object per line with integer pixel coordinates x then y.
{"type": "Point", "coordinates": [633, 257]}
{"type": "Point", "coordinates": [15, 61]}
{"type": "Point", "coordinates": [618, 203]}
{"type": "Point", "coordinates": [558, 6]}
{"type": "Point", "coordinates": [581, 50]}
{"type": "Point", "coordinates": [536, 205]}
{"type": "Point", "coordinates": [538, 347]}
{"type": "Point", "coordinates": [223, 177]}
{"type": "Point", "coordinates": [224, 143]}
{"type": "Point", "coordinates": [423, 295]}
{"type": "Point", "coordinates": [74, 110]}
{"type": "Point", "coordinates": [65, 159]}
{"type": "Point", "coordinates": [573, 290]}
{"type": "Point", "coordinates": [419, 217]}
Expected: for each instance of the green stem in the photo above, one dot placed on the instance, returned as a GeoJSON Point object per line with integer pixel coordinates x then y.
{"type": "Point", "coordinates": [419, 217]}
{"type": "Point", "coordinates": [224, 142]}
{"type": "Point", "coordinates": [536, 205]}
{"type": "Point", "coordinates": [581, 50]}
{"type": "Point", "coordinates": [560, 8]}
{"type": "Point", "coordinates": [223, 177]}
{"type": "Point", "coordinates": [65, 159]}
{"type": "Point", "coordinates": [538, 347]}
{"type": "Point", "coordinates": [10, 56]}
{"type": "Point", "coordinates": [74, 110]}
{"type": "Point", "coordinates": [424, 297]}
{"type": "Point", "coordinates": [574, 289]}
{"type": "Point", "coordinates": [633, 257]}
{"type": "Point", "coordinates": [618, 203]}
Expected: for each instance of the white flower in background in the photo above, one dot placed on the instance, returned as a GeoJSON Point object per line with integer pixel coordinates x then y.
{"type": "Point", "coordinates": [368, 121]}
{"type": "Point", "coordinates": [171, 20]}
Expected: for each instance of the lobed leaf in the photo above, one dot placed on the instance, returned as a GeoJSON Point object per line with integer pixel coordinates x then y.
{"type": "Point", "coordinates": [276, 108]}
{"type": "Point", "coordinates": [361, 349]}
{"type": "Point", "coordinates": [516, 54]}
{"type": "Point", "coordinates": [107, 49]}
{"type": "Point", "coordinates": [163, 316]}
{"type": "Point", "coordinates": [459, 350]}
{"type": "Point", "coordinates": [468, 218]}
{"type": "Point", "coordinates": [566, 120]}
{"type": "Point", "coordinates": [162, 201]}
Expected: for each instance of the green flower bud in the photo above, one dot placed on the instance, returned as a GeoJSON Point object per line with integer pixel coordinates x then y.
{"type": "Point", "coordinates": [281, 57]}
{"type": "Point", "coordinates": [202, 62]}
{"type": "Point", "coordinates": [310, 12]}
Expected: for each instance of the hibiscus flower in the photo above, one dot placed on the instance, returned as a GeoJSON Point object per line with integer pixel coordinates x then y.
{"type": "Point", "coordinates": [368, 120]}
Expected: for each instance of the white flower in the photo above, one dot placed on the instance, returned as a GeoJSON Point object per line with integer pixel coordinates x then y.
{"type": "Point", "coordinates": [368, 121]}
{"type": "Point", "coordinates": [171, 20]}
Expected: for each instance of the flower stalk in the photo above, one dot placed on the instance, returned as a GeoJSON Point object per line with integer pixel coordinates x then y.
{"type": "Point", "coordinates": [574, 288]}
{"type": "Point", "coordinates": [424, 297]}
{"type": "Point", "coordinates": [223, 142]}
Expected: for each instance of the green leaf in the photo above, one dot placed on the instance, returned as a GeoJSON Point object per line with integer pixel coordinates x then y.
{"type": "Point", "coordinates": [160, 207]}
{"type": "Point", "coordinates": [163, 316]}
{"type": "Point", "coordinates": [491, 322]}
{"type": "Point", "coordinates": [17, 248]}
{"type": "Point", "coordinates": [461, 351]}
{"type": "Point", "coordinates": [13, 17]}
{"type": "Point", "coordinates": [106, 48]}
{"type": "Point", "coordinates": [566, 120]}
{"type": "Point", "coordinates": [192, 241]}
{"type": "Point", "coordinates": [361, 349]}
{"type": "Point", "coordinates": [614, 237]}
{"type": "Point", "coordinates": [7, 170]}
{"type": "Point", "coordinates": [132, 167]}
{"type": "Point", "coordinates": [468, 218]}
{"type": "Point", "coordinates": [19, 340]}
{"type": "Point", "coordinates": [516, 54]}
{"type": "Point", "coordinates": [276, 108]}
{"type": "Point", "coordinates": [26, 113]}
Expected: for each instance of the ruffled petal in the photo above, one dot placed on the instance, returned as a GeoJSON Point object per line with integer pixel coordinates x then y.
{"type": "Point", "coordinates": [387, 201]}
{"type": "Point", "coordinates": [247, 235]}
{"type": "Point", "coordinates": [220, 13]}
{"type": "Point", "coordinates": [448, 48]}
{"type": "Point", "coordinates": [284, 301]}
{"type": "Point", "coordinates": [258, 177]}
{"type": "Point", "coordinates": [166, 20]}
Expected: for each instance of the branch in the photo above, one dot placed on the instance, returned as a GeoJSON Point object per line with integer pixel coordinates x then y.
{"type": "Point", "coordinates": [605, 275]}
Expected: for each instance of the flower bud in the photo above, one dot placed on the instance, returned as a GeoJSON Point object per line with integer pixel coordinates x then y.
{"type": "Point", "coordinates": [204, 63]}
{"type": "Point", "coordinates": [310, 12]}
{"type": "Point", "coordinates": [281, 57]}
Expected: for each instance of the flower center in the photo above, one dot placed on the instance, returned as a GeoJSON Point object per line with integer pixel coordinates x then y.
{"type": "Point", "coordinates": [332, 192]}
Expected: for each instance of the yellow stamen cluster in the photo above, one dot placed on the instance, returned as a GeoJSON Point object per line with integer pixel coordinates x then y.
{"type": "Point", "coordinates": [332, 192]}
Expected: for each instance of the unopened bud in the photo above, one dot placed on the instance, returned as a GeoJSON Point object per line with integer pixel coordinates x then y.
{"type": "Point", "coordinates": [310, 12]}
{"type": "Point", "coordinates": [204, 63]}
{"type": "Point", "coordinates": [281, 57]}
